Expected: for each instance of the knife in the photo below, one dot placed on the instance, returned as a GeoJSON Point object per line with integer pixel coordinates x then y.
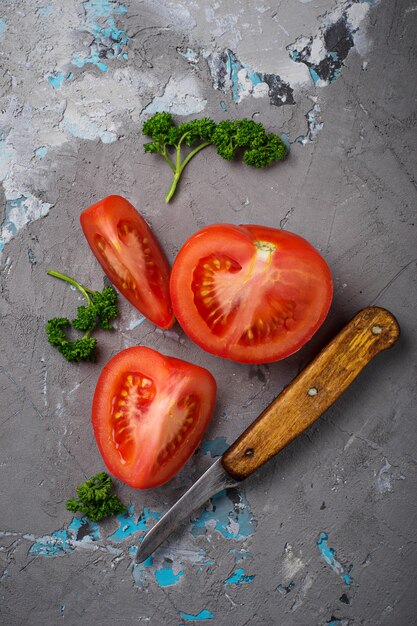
{"type": "Point", "coordinates": [298, 406]}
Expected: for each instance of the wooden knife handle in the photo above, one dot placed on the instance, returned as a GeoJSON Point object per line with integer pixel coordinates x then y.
{"type": "Point", "coordinates": [301, 403]}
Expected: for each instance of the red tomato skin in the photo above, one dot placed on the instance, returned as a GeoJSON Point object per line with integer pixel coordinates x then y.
{"type": "Point", "coordinates": [173, 380]}
{"type": "Point", "coordinates": [103, 220]}
{"type": "Point", "coordinates": [226, 239]}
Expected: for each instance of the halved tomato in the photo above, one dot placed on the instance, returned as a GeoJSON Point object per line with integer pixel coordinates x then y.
{"type": "Point", "coordinates": [131, 256]}
{"type": "Point", "coordinates": [149, 414]}
{"type": "Point", "coordinates": [250, 293]}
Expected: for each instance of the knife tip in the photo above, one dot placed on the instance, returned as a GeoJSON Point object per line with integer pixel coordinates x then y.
{"type": "Point", "coordinates": [144, 551]}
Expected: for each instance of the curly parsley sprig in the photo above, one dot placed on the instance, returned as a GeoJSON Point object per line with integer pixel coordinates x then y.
{"type": "Point", "coordinates": [100, 310]}
{"type": "Point", "coordinates": [95, 499]}
{"type": "Point", "coordinates": [258, 148]}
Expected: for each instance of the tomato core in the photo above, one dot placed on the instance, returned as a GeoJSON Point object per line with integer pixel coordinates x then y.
{"type": "Point", "coordinates": [250, 293]}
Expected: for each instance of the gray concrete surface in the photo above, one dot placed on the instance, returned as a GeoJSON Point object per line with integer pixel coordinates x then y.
{"type": "Point", "coordinates": [339, 79]}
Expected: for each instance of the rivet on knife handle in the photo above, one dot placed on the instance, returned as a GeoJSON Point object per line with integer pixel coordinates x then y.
{"type": "Point", "coordinates": [307, 397]}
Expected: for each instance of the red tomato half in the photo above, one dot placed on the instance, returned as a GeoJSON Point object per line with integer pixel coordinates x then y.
{"type": "Point", "coordinates": [130, 255]}
{"type": "Point", "coordinates": [149, 414]}
{"type": "Point", "coordinates": [250, 293]}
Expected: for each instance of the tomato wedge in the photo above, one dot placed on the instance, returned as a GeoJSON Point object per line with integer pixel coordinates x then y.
{"type": "Point", "coordinates": [131, 256]}
{"type": "Point", "coordinates": [149, 414]}
{"type": "Point", "coordinates": [250, 293]}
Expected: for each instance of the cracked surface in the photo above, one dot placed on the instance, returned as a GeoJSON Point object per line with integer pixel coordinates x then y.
{"type": "Point", "coordinates": [70, 135]}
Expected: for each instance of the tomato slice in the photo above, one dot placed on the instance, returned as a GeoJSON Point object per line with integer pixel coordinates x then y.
{"type": "Point", "coordinates": [131, 256]}
{"type": "Point", "coordinates": [149, 414]}
{"type": "Point", "coordinates": [250, 293]}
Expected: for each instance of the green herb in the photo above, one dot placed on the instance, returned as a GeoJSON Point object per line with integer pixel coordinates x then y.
{"type": "Point", "coordinates": [258, 148]}
{"type": "Point", "coordinates": [101, 308]}
{"type": "Point", "coordinates": [95, 499]}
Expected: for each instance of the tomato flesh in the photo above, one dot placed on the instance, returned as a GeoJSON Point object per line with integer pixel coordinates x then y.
{"type": "Point", "coordinates": [250, 293]}
{"type": "Point", "coordinates": [149, 414]}
{"type": "Point", "coordinates": [131, 256]}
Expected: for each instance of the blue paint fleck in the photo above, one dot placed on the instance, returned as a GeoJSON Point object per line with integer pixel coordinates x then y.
{"type": "Point", "coordinates": [128, 526]}
{"type": "Point", "coordinates": [190, 55]}
{"type": "Point", "coordinates": [230, 515]}
{"type": "Point", "coordinates": [165, 576]}
{"type": "Point", "coordinates": [109, 41]}
{"type": "Point", "coordinates": [238, 578]}
{"type": "Point", "coordinates": [44, 11]}
{"type": "Point", "coordinates": [200, 617]}
{"type": "Point", "coordinates": [285, 138]}
{"type": "Point", "coordinates": [3, 26]}
{"type": "Point", "coordinates": [56, 79]}
{"type": "Point", "coordinates": [137, 322]}
{"type": "Point", "coordinates": [315, 77]}
{"type": "Point", "coordinates": [41, 152]}
{"type": "Point", "coordinates": [215, 447]}
{"type": "Point", "coordinates": [329, 555]}
{"type": "Point", "coordinates": [223, 105]}
{"type": "Point", "coordinates": [89, 130]}
{"type": "Point", "coordinates": [62, 609]}
{"type": "Point", "coordinates": [61, 541]}
{"type": "Point", "coordinates": [8, 226]}
{"type": "Point", "coordinates": [108, 136]}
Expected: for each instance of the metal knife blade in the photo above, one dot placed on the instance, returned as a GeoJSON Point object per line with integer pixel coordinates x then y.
{"type": "Point", "coordinates": [298, 406]}
{"type": "Point", "coordinates": [215, 479]}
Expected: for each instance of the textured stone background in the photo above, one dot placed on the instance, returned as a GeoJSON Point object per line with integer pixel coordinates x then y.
{"type": "Point", "coordinates": [339, 80]}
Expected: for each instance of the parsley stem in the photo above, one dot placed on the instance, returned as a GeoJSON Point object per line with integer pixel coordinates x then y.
{"type": "Point", "coordinates": [68, 279]}
{"type": "Point", "coordinates": [180, 166]}
{"type": "Point", "coordinates": [193, 153]}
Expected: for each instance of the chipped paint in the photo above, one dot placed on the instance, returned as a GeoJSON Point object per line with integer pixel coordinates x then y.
{"type": "Point", "coordinates": [168, 568]}
{"type": "Point", "coordinates": [41, 152]}
{"type": "Point", "coordinates": [230, 74]}
{"type": "Point", "coordinates": [324, 52]}
{"type": "Point", "coordinates": [128, 525]}
{"type": "Point", "coordinates": [181, 96]}
{"type": "Point", "coordinates": [385, 477]}
{"type": "Point", "coordinates": [200, 617]}
{"type": "Point", "coordinates": [16, 153]}
{"type": "Point", "coordinates": [56, 79]}
{"type": "Point", "coordinates": [291, 563]}
{"type": "Point", "coordinates": [314, 125]}
{"type": "Point", "coordinates": [77, 534]}
{"type": "Point", "coordinates": [20, 211]}
{"type": "Point", "coordinates": [3, 27]}
{"type": "Point", "coordinates": [240, 555]}
{"type": "Point", "coordinates": [166, 577]}
{"type": "Point", "coordinates": [190, 55]}
{"type": "Point", "coordinates": [136, 322]}
{"type": "Point", "coordinates": [229, 514]}
{"type": "Point", "coordinates": [90, 127]}
{"type": "Point", "coordinates": [329, 555]}
{"type": "Point", "coordinates": [239, 578]}
{"type": "Point", "coordinates": [109, 42]}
